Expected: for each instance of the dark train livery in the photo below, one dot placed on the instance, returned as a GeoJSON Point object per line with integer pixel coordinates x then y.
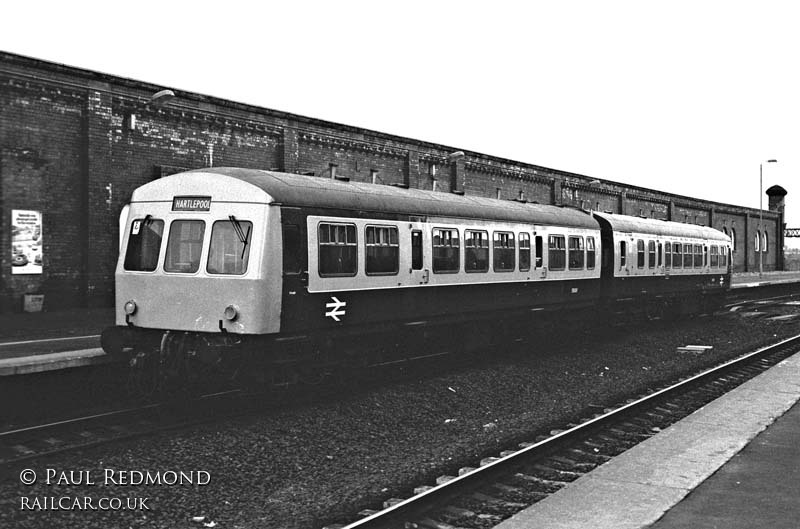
{"type": "Point", "coordinates": [281, 267]}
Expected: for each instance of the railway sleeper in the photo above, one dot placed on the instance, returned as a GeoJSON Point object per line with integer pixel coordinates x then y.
{"type": "Point", "coordinates": [541, 484]}
{"type": "Point", "coordinates": [570, 465]}
{"type": "Point", "coordinates": [428, 523]}
{"type": "Point", "coordinates": [556, 474]}
{"type": "Point", "coordinates": [591, 457]}
{"type": "Point", "coordinates": [454, 513]}
{"type": "Point", "coordinates": [511, 493]}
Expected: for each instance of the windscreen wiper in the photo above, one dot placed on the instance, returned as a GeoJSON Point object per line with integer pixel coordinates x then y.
{"type": "Point", "coordinates": [243, 237]}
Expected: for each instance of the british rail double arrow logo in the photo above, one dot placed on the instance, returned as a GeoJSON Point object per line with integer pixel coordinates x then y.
{"type": "Point", "coordinates": [337, 308]}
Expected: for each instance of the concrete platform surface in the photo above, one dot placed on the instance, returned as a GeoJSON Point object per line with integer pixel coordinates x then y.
{"type": "Point", "coordinates": [635, 489]}
{"type": "Point", "coordinates": [52, 361]}
{"type": "Point", "coordinates": [758, 487]}
{"type": "Point", "coordinates": [754, 279]}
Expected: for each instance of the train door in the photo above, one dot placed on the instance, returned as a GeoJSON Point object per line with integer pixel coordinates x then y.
{"type": "Point", "coordinates": [294, 263]}
{"type": "Point", "coordinates": [419, 262]}
{"type": "Point", "coordinates": [538, 258]}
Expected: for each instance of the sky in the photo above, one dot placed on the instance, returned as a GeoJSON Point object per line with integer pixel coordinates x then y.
{"type": "Point", "coordinates": [687, 97]}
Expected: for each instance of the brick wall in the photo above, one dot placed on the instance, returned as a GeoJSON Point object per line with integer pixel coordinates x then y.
{"type": "Point", "coordinates": [41, 160]}
{"type": "Point", "coordinates": [75, 144]}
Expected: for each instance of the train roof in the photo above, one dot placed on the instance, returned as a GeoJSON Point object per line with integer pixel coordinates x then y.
{"type": "Point", "coordinates": [310, 191]}
{"type": "Point", "coordinates": [664, 228]}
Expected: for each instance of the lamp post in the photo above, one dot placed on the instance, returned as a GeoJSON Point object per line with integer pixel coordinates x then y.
{"type": "Point", "coordinates": [761, 216]}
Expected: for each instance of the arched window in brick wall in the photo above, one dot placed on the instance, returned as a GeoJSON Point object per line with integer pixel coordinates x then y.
{"type": "Point", "coordinates": [733, 240]}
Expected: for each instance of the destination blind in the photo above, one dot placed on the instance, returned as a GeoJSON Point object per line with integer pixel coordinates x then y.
{"type": "Point", "coordinates": [191, 203]}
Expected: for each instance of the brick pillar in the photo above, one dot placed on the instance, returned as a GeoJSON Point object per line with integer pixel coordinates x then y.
{"type": "Point", "coordinates": [291, 151]}
{"type": "Point", "coordinates": [748, 232]}
{"type": "Point", "coordinates": [780, 262]}
{"type": "Point", "coordinates": [623, 203]}
{"type": "Point", "coordinates": [97, 277]}
{"type": "Point", "coordinates": [556, 192]}
{"type": "Point", "coordinates": [457, 176]}
{"type": "Point", "coordinates": [671, 210]}
{"type": "Point", "coordinates": [411, 173]}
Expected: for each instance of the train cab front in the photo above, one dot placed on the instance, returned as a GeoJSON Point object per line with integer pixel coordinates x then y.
{"type": "Point", "coordinates": [195, 256]}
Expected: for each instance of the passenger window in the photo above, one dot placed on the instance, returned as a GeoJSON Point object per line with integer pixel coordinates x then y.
{"type": "Point", "coordinates": [144, 244]}
{"type": "Point", "coordinates": [590, 253]}
{"type": "Point", "coordinates": [698, 256]}
{"type": "Point", "coordinates": [504, 251]}
{"type": "Point", "coordinates": [651, 254]}
{"type": "Point", "coordinates": [705, 255]}
{"type": "Point", "coordinates": [524, 252]}
{"type": "Point", "coordinates": [640, 253]}
{"type": "Point", "coordinates": [539, 251]}
{"type": "Point", "coordinates": [416, 250]}
{"type": "Point", "coordinates": [556, 256]}
{"type": "Point", "coordinates": [623, 253]}
{"type": "Point", "coordinates": [688, 257]}
{"type": "Point", "coordinates": [576, 255]}
{"type": "Point", "coordinates": [668, 255]}
{"type": "Point", "coordinates": [677, 255]}
{"type": "Point", "coordinates": [184, 246]}
{"type": "Point", "coordinates": [476, 251]}
{"type": "Point", "coordinates": [383, 250]}
{"type": "Point", "coordinates": [445, 251]}
{"type": "Point", "coordinates": [229, 250]}
{"type": "Point", "coordinates": [714, 257]}
{"type": "Point", "coordinates": [338, 250]}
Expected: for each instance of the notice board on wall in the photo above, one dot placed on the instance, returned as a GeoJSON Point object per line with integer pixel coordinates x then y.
{"type": "Point", "coordinates": [26, 241]}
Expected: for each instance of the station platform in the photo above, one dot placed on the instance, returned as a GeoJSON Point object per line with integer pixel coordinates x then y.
{"type": "Point", "coordinates": [754, 279]}
{"type": "Point", "coordinates": [44, 341]}
{"type": "Point", "coordinates": [735, 463]}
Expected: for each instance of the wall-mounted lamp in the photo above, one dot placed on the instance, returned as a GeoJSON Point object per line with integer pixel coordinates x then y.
{"type": "Point", "coordinates": [453, 156]}
{"type": "Point", "coordinates": [161, 97]}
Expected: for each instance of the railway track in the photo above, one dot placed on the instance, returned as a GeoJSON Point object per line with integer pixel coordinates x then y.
{"type": "Point", "coordinates": [114, 425]}
{"type": "Point", "coordinates": [499, 487]}
{"type": "Point", "coordinates": [19, 443]}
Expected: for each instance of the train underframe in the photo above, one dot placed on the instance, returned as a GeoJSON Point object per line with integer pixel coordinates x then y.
{"type": "Point", "coordinates": [164, 362]}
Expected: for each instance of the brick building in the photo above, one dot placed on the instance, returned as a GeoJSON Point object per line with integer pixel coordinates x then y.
{"type": "Point", "coordinates": [75, 143]}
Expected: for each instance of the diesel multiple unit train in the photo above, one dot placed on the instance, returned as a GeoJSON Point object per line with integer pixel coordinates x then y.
{"type": "Point", "coordinates": [231, 268]}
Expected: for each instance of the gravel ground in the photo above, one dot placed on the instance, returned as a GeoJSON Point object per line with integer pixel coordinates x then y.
{"type": "Point", "coordinates": [315, 464]}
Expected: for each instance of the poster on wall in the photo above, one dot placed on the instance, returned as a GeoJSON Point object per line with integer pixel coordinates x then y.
{"type": "Point", "coordinates": [26, 242]}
